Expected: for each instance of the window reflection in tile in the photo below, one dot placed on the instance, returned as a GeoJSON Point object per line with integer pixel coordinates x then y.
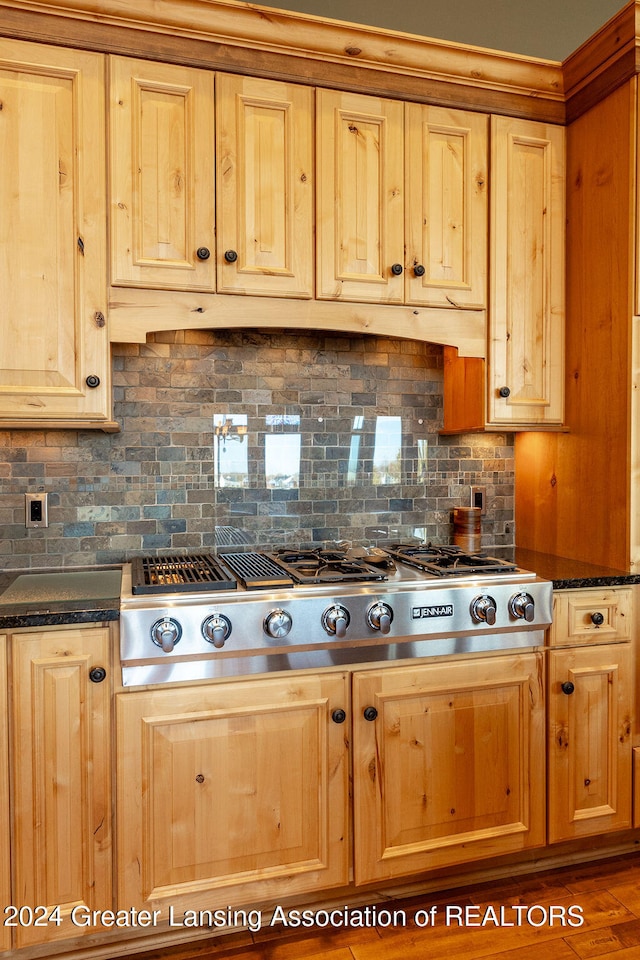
{"type": "Point", "coordinates": [230, 450]}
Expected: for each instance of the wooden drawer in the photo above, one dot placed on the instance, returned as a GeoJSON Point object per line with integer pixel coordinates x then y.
{"type": "Point", "coordinates": [591, 616]}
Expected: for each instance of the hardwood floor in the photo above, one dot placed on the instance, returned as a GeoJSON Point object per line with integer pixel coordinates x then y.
{"type": "Point", "coordinates": [580, 912]}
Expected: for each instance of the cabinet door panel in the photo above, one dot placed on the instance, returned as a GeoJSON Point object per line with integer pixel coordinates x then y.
{"type": "Point", "coordinates": [422, 795]}
{"type": "Point", "coordinates": [446, 207]}
{"type": "Point", "coordinates": [162, 175]}
{"type": "Point", "coordinates": [589, 742]}
{"type": "Point", "coordinates": [265, 187]}
{"type": "Point", "coordinates": [5, 875]}
{"type": "Point", "coordinates": [61, 775]}
{"type": "Point", "coordinates": [360, 219]}
{"type": "Point", "coordinates": [237, 787]}
{"type": "Point", "coordinates": [52, 243]}
{"type": "Point", "coordinates": [526, 350]}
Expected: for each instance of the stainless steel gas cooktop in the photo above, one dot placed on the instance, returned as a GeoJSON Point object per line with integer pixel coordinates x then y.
{"type": "Point", "coordinates": [211, 615]}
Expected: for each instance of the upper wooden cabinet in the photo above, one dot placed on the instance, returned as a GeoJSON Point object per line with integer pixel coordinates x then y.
{"type": "Point", "coordinates": [526, 341]}
{"type": "Point", "coordinates": [161, 175]}
{"type": "Point", "coordinates": [265, 187]}
{"type": "Point", "coordinates": [402, 202]}
{"type": "Point", "coordinates": [446, 207]}
{"type": "Point", "coordinates": [521, 384]}
{"type": "Point", "coordinates": [360, 198]}
{"type": "Point", "coordinates": [54, 348]}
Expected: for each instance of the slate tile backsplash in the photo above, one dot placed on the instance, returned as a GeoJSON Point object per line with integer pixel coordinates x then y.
{"type": "Point", "coordinates": [259, 439]}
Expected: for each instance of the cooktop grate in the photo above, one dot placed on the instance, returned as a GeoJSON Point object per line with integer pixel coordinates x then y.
{"type": "Point", "coordinates": [195, 572]}
{"type": "Point", "coordinates": [256, 571]}
{"type": "Point", "coordinates": [447, 561]}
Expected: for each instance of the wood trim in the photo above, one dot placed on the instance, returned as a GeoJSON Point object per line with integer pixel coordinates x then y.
{"type": "Point", "coordinates": [605, 61]}
{"type": "Point", "coordinates": [249, 39]}
{"type": "Point", "coordinates": [135, 313]}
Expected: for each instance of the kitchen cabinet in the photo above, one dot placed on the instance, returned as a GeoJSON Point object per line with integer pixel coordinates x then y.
{"type": "Point", "coordinates": [265, 187]}
{"type": "Point", "coordinates": [5, 862]}
{"type": "Point", "coordinates": [360, 197]}
{"type": "Point", "coordinates": [61, 776]}
{"type": "Point", "coordinates": [522, 383]}
{"type": "Point", "coordinates": [161, 175]}
{"type": "Point", "coordinates": [236, 789]}
{"type": "Point", "coordinates": [402, 202]}
{"type": "Point", "coordinates": [577, 492]}
{"type": "Point", "coordinates": [424, 738]}
{"type": "Point", "coordinates": [446, 207]}
{"type": "Point", "coordinates": [54, 350]}
{"type": "Point", "coordinates": [590, 714]}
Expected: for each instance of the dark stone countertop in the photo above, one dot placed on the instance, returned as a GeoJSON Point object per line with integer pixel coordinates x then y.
{"type": "Point", "coordinates": [42, 597]}
{"type": "Point", "coordinates": [567, 574]}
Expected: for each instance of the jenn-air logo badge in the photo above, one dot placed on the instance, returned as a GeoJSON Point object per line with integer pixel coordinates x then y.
{"type": "Point", "coordinates": [436, 610]}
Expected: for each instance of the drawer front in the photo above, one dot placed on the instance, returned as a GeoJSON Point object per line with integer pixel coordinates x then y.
{"type": "Point", "coordinates": [591, 616]}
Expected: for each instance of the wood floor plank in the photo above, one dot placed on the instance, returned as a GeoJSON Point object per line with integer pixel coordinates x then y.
{"type": "Point", "coordinates": [628, 893]}
{"type": "Point", "coordinates": [596, 943]}
{"type": "Point", "coordinates": [608, 893]}
{"type": "Point", "coordinates": [474, 942]}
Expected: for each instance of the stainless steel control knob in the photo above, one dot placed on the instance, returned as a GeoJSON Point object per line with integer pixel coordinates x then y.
{"type": "Point", "coordinates": [166, 633]}
{"type": "Point", "coordinates": [522, 607]}
{"type": "Point", "coordinates": [278, 623]}
{"type": "Point", "coordinates": [379, 616]}
{"type": "Point", "coordinates": [216, 629]}
{"type": "Point", "coordinates": [483, 610]}
{"type": "Point", "coordinates": [335, 620]}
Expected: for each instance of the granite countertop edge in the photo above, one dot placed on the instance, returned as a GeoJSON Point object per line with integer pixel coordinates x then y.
{"type": "Point", "coordinates": [568, 574]}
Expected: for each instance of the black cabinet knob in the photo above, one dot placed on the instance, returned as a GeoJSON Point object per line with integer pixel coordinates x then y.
{"type": "Point", "coordinates": [504, 392]}
{"type": "Point", "coordinates": [568, 687]}
{"type": "Point", "coordinates": [419, 270]}
{"type": "Point", "coordinates": [97, 674]}
{"type": "Point", "coordinates": [396, 269]}
{"type": "Point", "coordinates": [370, 713]}
{"type": "Point", "coordinates": [597, 618]}
{"type": "Point", "coordinates": [92, 381]}
{"type": "Point", "coordinates": [230, 256]}
{"type": "Point", "coordinates": [339, 716]}
{"type": "Point", "coordinates": [203, 253]}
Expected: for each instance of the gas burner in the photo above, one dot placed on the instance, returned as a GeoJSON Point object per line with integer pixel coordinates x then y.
{"type": "Point", "coordinates": [447, 561]}
{"type": "Point", "coordinates": [325, 566]}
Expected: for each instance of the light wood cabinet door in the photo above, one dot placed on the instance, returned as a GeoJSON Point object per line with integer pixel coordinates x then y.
{"type": "Point", "coordinates": [5, 874]}
{"type": "Point", "coordinates": [265, 187]}
{"type": "Point", "coordinates": [360, 198]}
{"type": "Point", "coordinates": [526, 342]}
{"type": "Point", "coordinates": [235, 790]}
{"type": "Point", "coordinates": [590, 720]}
{"type": "Point", "coordinates": [446, 207]}
{"type": "Point", "coordinates": [161, 175]}
{"type": "Point", "coordinates": [61, 775]}
{"type": "Point", "coordinates": [52, 236]}
{"type": "Point", "coordinates": [452, 767]}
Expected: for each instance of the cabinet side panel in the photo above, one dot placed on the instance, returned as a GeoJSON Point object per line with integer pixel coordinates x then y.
{"type": "Point", "coordinates": [572, 490]}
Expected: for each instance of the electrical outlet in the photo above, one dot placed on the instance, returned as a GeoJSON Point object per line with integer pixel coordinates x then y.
{"type": "Point", "coordinates": [479, 498]}
{"type": "Point", "coordinates": [36, 512]}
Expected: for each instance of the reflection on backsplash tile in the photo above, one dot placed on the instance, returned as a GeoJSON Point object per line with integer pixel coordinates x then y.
{"type": "Point", "coordinates": [257, 438]}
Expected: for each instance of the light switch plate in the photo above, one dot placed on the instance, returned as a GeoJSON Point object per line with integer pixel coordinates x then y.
{"type": "Point", "coordinates": [479, 498]}
{"type": "Point", "coordinates": [36, 512]}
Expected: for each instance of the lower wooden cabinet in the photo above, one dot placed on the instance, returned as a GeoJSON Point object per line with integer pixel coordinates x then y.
{"type": "Point", "coordinates": [589, 740]}
{"type": "Point", "coordinates": [238, 789]}
{"type": "Point", "coordinates": [61, 779]}
{"type": "Point", "coordinates": [5, 875]}
{"type": "Point", "coordinates": [448, 763]}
